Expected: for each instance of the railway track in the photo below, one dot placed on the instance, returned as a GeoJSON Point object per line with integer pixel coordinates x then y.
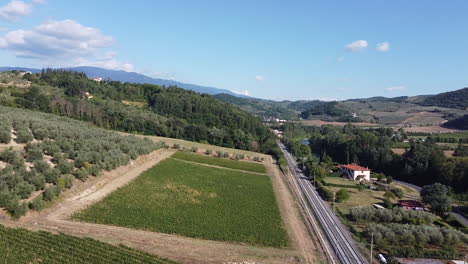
{"type": "Point", "coordinates": [338, 237]}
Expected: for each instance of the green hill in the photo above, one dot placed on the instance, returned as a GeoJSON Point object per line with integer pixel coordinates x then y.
{"type": "Point", "coordinates": [141, 108]}
{"type": "Point", "coordinates": [453, 99]}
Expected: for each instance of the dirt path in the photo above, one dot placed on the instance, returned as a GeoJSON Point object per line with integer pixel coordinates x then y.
{"type": "Point", "coordinates": [309, 247]}
{"type": "Point", "coordinates": [181, 249]}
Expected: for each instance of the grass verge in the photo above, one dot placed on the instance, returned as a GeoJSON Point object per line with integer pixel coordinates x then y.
{"type": "Point", "coordinates": [221, 162]}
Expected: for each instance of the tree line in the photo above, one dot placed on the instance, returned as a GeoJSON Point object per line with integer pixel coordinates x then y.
{"type": "Point", "coordinates": [423, 163]}
{"type": "Point", "coordinates": [162, 111]}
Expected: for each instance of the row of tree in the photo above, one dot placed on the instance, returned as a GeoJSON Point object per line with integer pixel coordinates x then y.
{"type": "Point", "coordinates": [58, 150]}
{"type": "Point", "coordinates": [395, 215]}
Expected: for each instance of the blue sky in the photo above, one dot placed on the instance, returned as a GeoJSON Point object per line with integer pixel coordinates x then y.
{"type": "Point", "coordinates": [268, 49]}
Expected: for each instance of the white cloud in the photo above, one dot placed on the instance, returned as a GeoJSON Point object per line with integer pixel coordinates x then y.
{"type": "Point", "coordinates": [357, 45]}
{"type": "Point", "coordinates": [14, 10]}
{"type": "Point", "coordinates": [243, 93]}
{"type": "Point", "coordinates": [107, 61]}
{"type": "Point", "coordinates": [259, 78]}
{"type": "Point", "coordinates": [326, 99]}
{"type": "Point", "coordinates": [383, 47]}
{"type": "Point", "coordinates": [340, 59]}
{"type": "Point", "coordinates": [161, 75]}
{"type": "Point", "coordinates": [3, 29]}
{"type": "Point", "coordinates": [55, 39]}
{"type": "Point", "coordinates": [394, 88]}
{"type": "Point", "coordinates": [41, 2]}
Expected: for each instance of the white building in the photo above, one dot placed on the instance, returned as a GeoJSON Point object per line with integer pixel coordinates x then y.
{"type": "Point", "coordinates": [97, 79]}
{"type": "Point", "coordinates": [355, 172]}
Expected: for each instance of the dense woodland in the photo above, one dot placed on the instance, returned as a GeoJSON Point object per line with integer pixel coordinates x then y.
{"type": "Point", "coordinates": [423, 163]}
{"type": "Point", "coordinates": [57, 150]}
{"type": "Point", "coordinates": [453, 99]}
{"type": "Point", "coordinates": [144, 108]}
{"type": "Point", "coordinates": [458, 123]}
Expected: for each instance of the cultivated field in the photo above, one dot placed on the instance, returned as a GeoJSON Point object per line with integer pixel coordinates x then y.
{"type": "Point", "coordinates": [221, 162]}
{"type": "Point", "coordinates": [193, 200]}
{"type": "Point", "coordinates": [23, 246]}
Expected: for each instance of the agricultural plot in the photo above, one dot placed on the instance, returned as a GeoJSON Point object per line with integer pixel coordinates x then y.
{"type": "Point", "coordinates": [221, 162]}
{"type": "Point", "coordinates": [193, 200]}
{"type": "Point", "coordinates": [56, 151]}
{"type": "Point", "coordinates": [23, 246]}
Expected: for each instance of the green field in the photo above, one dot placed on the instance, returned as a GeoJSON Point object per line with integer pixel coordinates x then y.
{"type": "Point", "coordinates": [22, 246]}
{"type": "Point", "coordinates": [196, 201]}
{"type": "Point", "coordinates": [221, 162]}
{"type": "Point", "coordinates": [340, 181]}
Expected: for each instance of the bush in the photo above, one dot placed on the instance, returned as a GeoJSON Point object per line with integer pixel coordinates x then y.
{"type": "Point", "coordinates": [194, 149]}
{"type": "Point", "coordinates": [19, 209]}
{"type": "Point", "coordinates": [50, 193]}
{"type": "Point", "coordinates": [65, 181]}
{"type": "Point", "coordinates": [342, 195]}
{"type": "Point", "coordinates": [37, 203]}
{"type": "Point", "coordinates": [208, 152]}
{"type": "Point", "coordinates": [176, 146]}
{"type": "Point", "coordinates": [398, 192]}
{"type": "Point", "coordinates": [51, 175]}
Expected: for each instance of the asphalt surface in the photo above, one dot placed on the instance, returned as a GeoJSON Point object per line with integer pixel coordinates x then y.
{"type": "Point", "coordinates": [339, 239]}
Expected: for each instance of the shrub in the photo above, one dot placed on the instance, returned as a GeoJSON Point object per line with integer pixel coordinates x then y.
{"type": "Point", "coordinates": [37, 203]}
{"type": "Point", "coordinates": [398, 192]}
{"type": "Point", "coordinates": [19, 209]}
{"type": "Point", "coordinates": [208, 151]}
{"type": "Point", "coordinates": [50, 193]}
{"type": "Point", "coordinates": [194, 149]}
{"type": "Point", "coordinates": [342, 195]}
{"type": "Point", "coordinates": [41, 166]}
{"type": "Point", "coordinates": [176, 146]}
{"type": "Point", "coordinates": [51, 175]}
{"type": "Point", "coordinates": [65, 181]}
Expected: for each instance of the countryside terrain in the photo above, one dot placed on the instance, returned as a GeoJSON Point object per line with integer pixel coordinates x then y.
{"type": "Point", "coordinates": [147, 172]}
{"type": "Point", "coordinates": [75, 180]}
{"type": "Point", "coordinates": [428, 113]}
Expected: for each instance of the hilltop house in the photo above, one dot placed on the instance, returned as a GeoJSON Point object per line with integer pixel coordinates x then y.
{"type": "Point", "coordinates": [355, 172]}
{"type": "Point", "coordinates": [411, 204]}
{"type": "Point", "coordinates": [97, 79]}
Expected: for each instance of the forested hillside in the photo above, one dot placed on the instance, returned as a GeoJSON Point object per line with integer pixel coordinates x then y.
{"type": "Point", "coordinates": [453, 99]}
{"type": "Point", "coordinates": [44, 153]}
{"type": "Point", "coordinates": [141, 108]}
{"type": "Point", "coordinates": [458, 123]}
{"type": "Point", "coordinates": [264, 108]}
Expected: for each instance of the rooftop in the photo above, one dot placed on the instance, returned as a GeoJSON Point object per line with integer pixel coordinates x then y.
{"type": "Point", "coordinates": [354, 167]}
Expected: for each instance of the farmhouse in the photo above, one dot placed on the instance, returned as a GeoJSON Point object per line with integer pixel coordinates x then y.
{"type": "Point", "coordinates": [411, 204]}
{"type": "Point", "coordinates": [355, 172]}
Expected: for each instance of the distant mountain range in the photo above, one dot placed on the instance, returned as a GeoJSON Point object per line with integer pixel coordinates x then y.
{"type": "Point", "coordinates": [134, 77]}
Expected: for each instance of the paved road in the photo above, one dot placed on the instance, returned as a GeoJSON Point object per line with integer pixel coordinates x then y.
{"type": "Point", "coordinates": [338, 237]}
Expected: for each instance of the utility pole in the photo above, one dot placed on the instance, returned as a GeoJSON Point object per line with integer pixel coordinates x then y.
{"type": "Point", "coordinates": [314, 179]}
{"type": "Point", "coordinates": [371, 247]}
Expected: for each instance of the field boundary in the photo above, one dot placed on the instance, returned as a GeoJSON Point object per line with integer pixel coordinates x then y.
{"type": "Point", "coordinates": [219, 167]}
{"type": "Point", "coordinates": [170, 246]}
